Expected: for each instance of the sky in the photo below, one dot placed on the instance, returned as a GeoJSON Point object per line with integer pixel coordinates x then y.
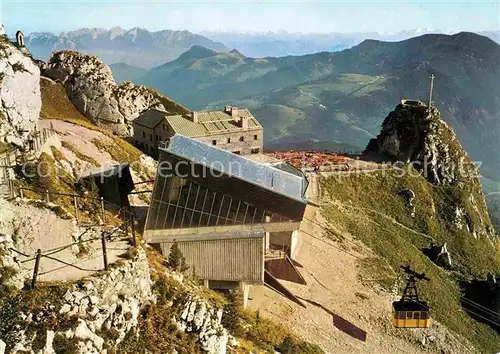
{"type": "Point", "coordinates": [292, 16]}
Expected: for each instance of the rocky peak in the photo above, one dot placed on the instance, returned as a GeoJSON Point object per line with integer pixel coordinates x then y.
{"type": "Point", "coordinates": [414, 133]}
{"type": "Point", "coordinates": [91, 88]}
{"type": "Point", "coordinates": [197, 52]}
{"type": "Point", "coordinates": [20, 101]}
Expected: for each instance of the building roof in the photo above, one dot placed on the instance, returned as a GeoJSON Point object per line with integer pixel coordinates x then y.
{"type": "Point", "coordinates": [209, 122]}
{"type": "Point", "coordinates": [105, 171]}
{"type": "Point", "coordinates": [265, 176]}
{"type": "Point", "coordinates": [151, 118]}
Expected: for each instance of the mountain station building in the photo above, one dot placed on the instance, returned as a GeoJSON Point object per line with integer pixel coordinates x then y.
{"type": "Point", "coordinates": [232, 129]}
{"type": "Point", "coordinates": [227, 213]}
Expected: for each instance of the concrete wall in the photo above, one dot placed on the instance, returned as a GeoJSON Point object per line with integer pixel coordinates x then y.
{"type": "Point", "coordinates": [234, 144]}
{"type": "Point", "coordinates": [227, 259]}
{"type": "Point", "coordinates": [287, 239]}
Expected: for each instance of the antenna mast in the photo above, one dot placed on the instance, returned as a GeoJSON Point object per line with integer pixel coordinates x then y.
{"type": "Point", "coordinates": [430, 93]}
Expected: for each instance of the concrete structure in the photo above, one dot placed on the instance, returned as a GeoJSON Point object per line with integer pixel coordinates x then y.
{"type": "Point", "coordinates": [20, 38]}
{"type": "Point", "coordinates": [113, 182]}
{"type": "Point", "coordinates": [232, 129]}
{"type": "Point", "coordinates": [224, 211]}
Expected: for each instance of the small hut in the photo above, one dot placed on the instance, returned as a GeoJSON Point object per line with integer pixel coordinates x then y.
{"type": "Point", "coordinates": [113, 182]}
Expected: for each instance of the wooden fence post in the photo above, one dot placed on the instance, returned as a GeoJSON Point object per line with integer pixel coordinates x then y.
{"type": "Point", "coordinates": [104, 252]}
{"type": "Point", "coordinates": [37, 266]}
{"type": "Point", "coordinates": [102, 211]}
{"type": "Point", "coordinates": [134, 241]}
{"type": "Point", "coordinates": [76, 207]}
{"type": "Point", "coordinates": [47, 196]}
{"type": "Point", "coordinates": [21, 192]}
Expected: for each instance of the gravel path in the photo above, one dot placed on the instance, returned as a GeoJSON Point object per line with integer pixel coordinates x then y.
{"type": "Point", "coordinates": [36, 228]}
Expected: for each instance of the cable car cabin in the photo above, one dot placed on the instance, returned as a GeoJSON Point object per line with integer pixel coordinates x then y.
{"type": "Point", "coordinates": [410, 314]}
{"type": "Point", "coordinates": [409, 311]}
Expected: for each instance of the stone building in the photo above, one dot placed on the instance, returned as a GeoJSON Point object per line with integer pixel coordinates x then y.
{"type": "Point", "coordinates": [20, 38]}
{"type": "Point", "coordinates": [230, 215]}
{"type": "Point", "coordinates": [232, 129]}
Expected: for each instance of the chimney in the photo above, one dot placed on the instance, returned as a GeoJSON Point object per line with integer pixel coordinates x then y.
{"type": "Point", "coordinates": [234, 111]}
{"type": "Point", "coordinates": [194, 116]}
{"type": "Point", "coordinates": [227, 109]}
{"type": "Point", "coordinates": [244, 122]}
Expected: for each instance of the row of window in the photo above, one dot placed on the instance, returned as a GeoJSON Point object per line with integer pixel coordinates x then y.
{"type": "Point", "coordinates": [408, 315]}
{"type": "Point", "coordinates": [157, 137]}
{"type": "Point", "coordinates": [242, 138]}
{"type": "Point", "coordinates": [214, 142]}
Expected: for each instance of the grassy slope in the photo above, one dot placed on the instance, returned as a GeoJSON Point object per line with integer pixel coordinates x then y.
{"type": "Point", "coordinates": [366, 205]}
{"type": "Point", "coordinates": [56, 105]}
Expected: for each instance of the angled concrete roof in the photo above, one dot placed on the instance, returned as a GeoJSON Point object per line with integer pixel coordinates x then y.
{"type": "Point", "coordinates": [292, 185]}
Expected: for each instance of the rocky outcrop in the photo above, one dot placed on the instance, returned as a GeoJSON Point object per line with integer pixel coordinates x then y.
{"type": "Point", "coordinates": [11, 272]}
{"type": "Point", "coordinates": [199, 317]}
{"type": "Point", "coordinates": [409, 197]}
{"type": "Point", "coordinates": [91, 88]}
{"type": "Point", "coordinates": [439, 254]}
{"type": "Point", "coordinates": [100, 305]}
{"type": "Point", "coordinates": [20, 101]}
{"type": "Point", "coordinates": [415, 134]}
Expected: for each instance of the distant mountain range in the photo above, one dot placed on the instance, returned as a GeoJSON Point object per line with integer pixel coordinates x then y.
{"type": "Point", "coordinates": [342, 97]}
{"type": "Point", "coordinates": [277, 44]}
{"type": "Point", "coordinates": [137, 47]}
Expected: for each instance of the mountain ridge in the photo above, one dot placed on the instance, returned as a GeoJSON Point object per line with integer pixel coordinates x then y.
{"type": "Point", "coordinates": [136, 47]}
{"type": "Point", "coordinates": [358, 89]}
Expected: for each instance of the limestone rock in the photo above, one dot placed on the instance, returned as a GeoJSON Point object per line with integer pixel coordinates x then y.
{"type": "Point", "coordinates": [198, 316]}
{"type": "Point", "coordinates": [20, 100]}
{"type": "Point", "coordinates": [90, 86]}
{"type": "Point", "coordinates": [439, 254]}
{"type": "Point", "coordinates": [65, 309]}
{"type": "Point", "coordinates": [48, 349]}
{"type": "Point", "coordinates": [83, 332]}
{"type": "Point", "coordinates": [2, 347]}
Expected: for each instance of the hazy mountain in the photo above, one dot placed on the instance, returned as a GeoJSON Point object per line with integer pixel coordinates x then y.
{"type": "Point", "coordinates": [124, 72]}
{"type": "Point", "coordinates": [276, 44]}
{"type": "Point", "coordinates": [344, 96]}
{"type": "Point", "coordinates": [137, 47]}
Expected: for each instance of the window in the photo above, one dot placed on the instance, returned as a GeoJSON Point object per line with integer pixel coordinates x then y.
{"type": "Point", "coordinates": [237, 152]}
{"type": "Point", "coordinates": [228, 140]}
{"type": "Point", "coordinates": [214, 142]}
{"type": "Point", "coordinates": [255, 151]}
{"type": "Point", "coordinates": [255, 137]}
{"type": "Point", "coordinates": [144, 135]}
{"type": "Point", "coordinates": [157, 137]}
{"type": "Point", "coordinates": [151, 137]}
{"type": "Point", "coordinates": [409, 315]}
{"type": "Point", "coordinates": [242, 138]}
